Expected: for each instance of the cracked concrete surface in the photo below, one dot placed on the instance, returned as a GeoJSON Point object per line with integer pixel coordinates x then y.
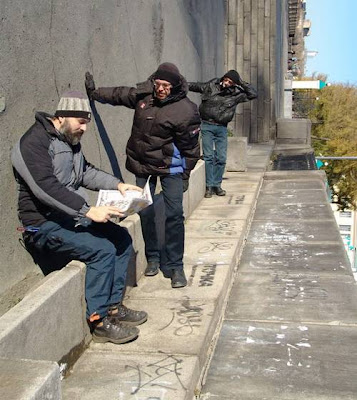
{"type": "Point", "coordinates": [46, 47]}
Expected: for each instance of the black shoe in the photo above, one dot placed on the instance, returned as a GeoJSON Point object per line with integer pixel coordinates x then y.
{"type": "Point", "coordinates": [152, 268]}
{"type": "Point", "coordinates": [219, 191]}
{"type": "Point", "coordinates": [178, 279]}
{"type": "Point", "coordinates": [209, 192]}
{"type": "Point", "coordinates": [125, 315]}
{"type": "Point", "coordinates": [114, 332]}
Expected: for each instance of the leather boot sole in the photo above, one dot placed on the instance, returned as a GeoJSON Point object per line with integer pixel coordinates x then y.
{"type": "Point", "coordinates": [103, 339]}
{"type": "Point", "coordinates": [151, 272]}
{"type": "Point", "coordinates": [177, 285]}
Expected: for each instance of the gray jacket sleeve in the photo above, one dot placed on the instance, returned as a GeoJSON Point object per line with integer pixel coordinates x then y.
{"type": "Point", "coordinates": [96, 179]}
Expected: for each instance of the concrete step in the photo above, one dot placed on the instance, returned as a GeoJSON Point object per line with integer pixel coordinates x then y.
{"type": "Point", "coordinates": [291, 322]}
{"type": "Point", "coordinates": [48, 325]}
{"type": "Point", "coordinates": [29, 379]}
{"type": "Point", "coordinates": [169, 358]}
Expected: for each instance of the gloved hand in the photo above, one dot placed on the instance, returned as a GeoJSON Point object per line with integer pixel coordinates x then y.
{"type": "Point", "coordinates": [89, 84]}
{"type": "Point", "coordinates": [240, 80]}
{"type": "Point", "coordinates": [185, 184]}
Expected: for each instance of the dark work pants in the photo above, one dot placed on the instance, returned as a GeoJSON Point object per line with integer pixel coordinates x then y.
{"type": "Point", "coordinates": [105, 248]}
{"type": "Point", "coordinates": [172, 191]}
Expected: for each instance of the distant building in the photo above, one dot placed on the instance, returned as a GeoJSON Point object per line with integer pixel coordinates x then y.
{"type": "Point", "coordinates": [306, 27]}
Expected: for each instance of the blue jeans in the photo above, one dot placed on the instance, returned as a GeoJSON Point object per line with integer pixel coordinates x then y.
{"type": "Point", "coordinates": [104, 247]}
{"type": "Point", "coordinates": [172, 190]}
{"type": "Point", "coordinates": [214, 145]}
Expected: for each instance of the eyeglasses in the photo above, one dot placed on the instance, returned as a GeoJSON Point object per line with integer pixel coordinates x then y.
{"type": "Point", "coordinates": [165, 86]}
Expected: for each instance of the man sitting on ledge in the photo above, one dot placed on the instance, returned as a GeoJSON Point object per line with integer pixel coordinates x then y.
{"type": "Point", "coordinates": [57, 220]}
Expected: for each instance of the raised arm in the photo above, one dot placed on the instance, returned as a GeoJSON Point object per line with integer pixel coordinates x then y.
{"type": "Point", "coordinates": [116, 96]}
{"type": "Point", "coordinates": [199, 87]}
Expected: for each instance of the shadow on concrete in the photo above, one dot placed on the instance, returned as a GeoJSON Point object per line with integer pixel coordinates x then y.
{"type": "Point", "coordinates": [106, 143]}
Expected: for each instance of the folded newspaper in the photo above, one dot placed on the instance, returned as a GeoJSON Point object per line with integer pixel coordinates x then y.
{"type": "Point", "coordinates": [133, 201]}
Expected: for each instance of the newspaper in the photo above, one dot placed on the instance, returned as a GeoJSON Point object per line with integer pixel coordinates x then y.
{"type": "Point", "coordinates": [133, 201]}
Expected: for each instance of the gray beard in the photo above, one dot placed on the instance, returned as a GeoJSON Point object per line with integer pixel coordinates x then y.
{"type": "Point", "coordinates": [71, 138]}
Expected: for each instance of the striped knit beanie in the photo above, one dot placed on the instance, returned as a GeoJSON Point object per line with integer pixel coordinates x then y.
{"type": "Point", "coordinates": [73, 104]}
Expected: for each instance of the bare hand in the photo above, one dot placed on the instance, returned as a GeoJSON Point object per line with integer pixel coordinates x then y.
{"type": "Point", "coordinates": [122, 187]}
{"type": "Point", "coordinates": [103, 213]}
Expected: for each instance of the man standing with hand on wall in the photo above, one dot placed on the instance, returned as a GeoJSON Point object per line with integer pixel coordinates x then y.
{"type": "Point", "coordinates": [163, 144]}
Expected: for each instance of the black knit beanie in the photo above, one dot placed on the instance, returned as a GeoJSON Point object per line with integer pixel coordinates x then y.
{"type": "Point", "coordinates": [233, 75]}
{"type": "Point", "coordinates": [168, 72]}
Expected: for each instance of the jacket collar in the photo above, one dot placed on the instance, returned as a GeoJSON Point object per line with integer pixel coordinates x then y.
{"type": "Point", "coordinates": [45, 120]}
{"type": "Point", "coordinates": [147, 87]}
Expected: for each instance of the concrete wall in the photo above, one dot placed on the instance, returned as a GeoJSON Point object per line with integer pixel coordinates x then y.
{"type": "Point", "coordinates": [46, 47]}
{"type": "Point", "coordinates": [257, 48]}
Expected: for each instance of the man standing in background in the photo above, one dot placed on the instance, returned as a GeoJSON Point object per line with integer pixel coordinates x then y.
{"type": "Point", "coordinates": [220, 98]}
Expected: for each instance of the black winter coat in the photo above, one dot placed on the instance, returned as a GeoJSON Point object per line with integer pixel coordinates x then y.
{"type": "Point", "coordinates": [219, 104]}
{"type": "Point", "coordinates": [164, 136]}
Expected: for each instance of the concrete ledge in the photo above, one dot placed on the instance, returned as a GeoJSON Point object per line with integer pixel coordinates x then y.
{"type": "Point", "coordinates": [54, 312]}
{"type": "Point", "coordinates": [237, 154]}
{"type": "Point", "coordinates": [48, 323]}
{"type": "Point", "coordinates": [196, 189]}
{"type": "Point", "coordinates": [293, 131]}
{"type": "Point", "coordinates": [304, 175]}
{"type": "Point", "coordinates": [170, 356]}
{"type": "Point", "coordinates": [30, 380]}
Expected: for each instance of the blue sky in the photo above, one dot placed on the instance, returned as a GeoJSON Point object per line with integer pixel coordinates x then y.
{"type": "Point", "coordinates": [333, 34]}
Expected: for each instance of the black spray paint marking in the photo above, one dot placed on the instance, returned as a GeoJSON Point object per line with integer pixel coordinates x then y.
{"type": "Point", "coordinates": [209, 272]}
{"type": "Point", "coordinates": [223, 226]}
{"type": "Point", "coordinates": [236, 200]}
{"type": "Point", "coordinates": [151, 374]}
{"type": "Point", "coordinates": [188, 318]}
{"type": "Point", "coordinates": [213, 246]}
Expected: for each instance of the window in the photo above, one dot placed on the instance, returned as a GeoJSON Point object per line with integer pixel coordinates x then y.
{"type": "Point", "coordinates": [345, 228]}
{"type": "Point", "coordinates": [345, 214]}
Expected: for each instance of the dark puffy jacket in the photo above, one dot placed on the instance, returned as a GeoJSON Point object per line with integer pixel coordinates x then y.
{"type": "Point", "coordinates": [219, 104]}
{"type": "Point", "coordinates": [164, 136]}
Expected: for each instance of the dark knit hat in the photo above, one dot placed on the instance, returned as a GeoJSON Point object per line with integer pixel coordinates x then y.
{"type": "Point", "coordinates": [73, 104]}
{"type": "Point", "coordinates": [168, 72]}
{"type": "Point", "coordinates": [233, 75]}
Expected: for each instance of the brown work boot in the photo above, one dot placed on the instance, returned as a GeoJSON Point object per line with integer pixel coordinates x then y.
{"type": "Point", "coordinates": [125, 315]}
{"type": "Point", "coordinates": [109, 330]}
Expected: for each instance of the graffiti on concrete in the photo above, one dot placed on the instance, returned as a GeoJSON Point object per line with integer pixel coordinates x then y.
{"type": "Point", "coordinates": [214, 246]}
{"type": "Point", "coordinates": [186, 319]}
{"type": "Point", "coordinates": [223, 226]}
{"type": "Point", "coordinates": [192, 275]}
{"type": "Point", "coordinates": [236, 199]}
{"type": "Point", "coordinates": [158, 374]}
{"type": "Point", "coordinates": [208, 274]}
